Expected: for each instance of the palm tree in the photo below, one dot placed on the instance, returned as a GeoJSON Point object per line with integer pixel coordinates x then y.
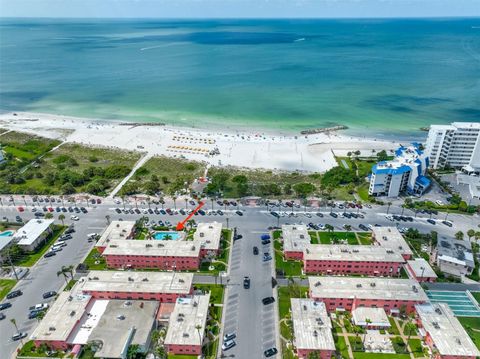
{"type": "Point", "coordinates": [477, 236]}
{"type": "Point", "coordinates": [174, 198]}
{"type": "Point", "coordinates": [49, 215]}
{"type": "Point", "coordinates": [65, 271]}
{"type": "Point", "coordinates": [410, 328]}
{"type": "Point", "coordinates": [459, 235]}
{"type": "Point", "coordinates": [61, 217]}
{"type": "Point", "coordinates": [211, 199]}
{"type": "Point", "coordinates": [14, 322]}
{"type": "Point", "coordinates": [198, 327]}
{"type": "Point", "coordinates": [329, 228]}
{"type": "Point", "coordinates": [186, 203]}
{"type": "Point", "coordinates": [107, 217]}
{"type": "Point", "coordinates": [40, 315]}
{"type": "Point", "coordinates": [367, 321]}
{"type": "Point", "coordinates": [348, 228]}
{"type": "Point", "coordinates": [24, 201]}
{"type": "Point", "coordinates": [388, 208]}
{"type": "Point", "coordinates": [356, 330]}
{"type": "Point", "coordinates": [470, 233]}
{"type": "Point", "coordinates": [162, 201]}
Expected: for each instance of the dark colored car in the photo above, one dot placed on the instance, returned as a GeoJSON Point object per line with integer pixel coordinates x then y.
{"type": "Point", "coordinates": [431, 221]}
{"type": "Point", "coordinates": [240, 213]}
{"type": "Point", "coordinates": [266, 241]}
{"type": "Point", "coordinates": [268, 300]}
{"type": "Point", "coordinates": [255, 250]}
{"type": "Point", "coordinates": [334, 215]}
{"type": "Point", "coordinates": [319, 214]}
{"type": "Point", "coordinates": [49, 254]}
{"type": "Point", "coordinates": [2, 316]}
{"type": "Point", "coordinates": [447, 223]}
{"type": "Point", "coordinates": [5, 305]}
{"type": "Point", "coordinates": [49, 294]}
{"type": "Point", "coordinates": [246, 282]}
{"type": "Point", "coordinates": [270, 352]}
{"type": "Point", "coordinates": [275, 214]}
{"type": "Point", "coordinates": [14, 294]}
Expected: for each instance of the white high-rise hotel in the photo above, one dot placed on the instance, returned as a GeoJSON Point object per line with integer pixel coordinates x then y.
{"type": "Point", "coordinates": [456, 145]}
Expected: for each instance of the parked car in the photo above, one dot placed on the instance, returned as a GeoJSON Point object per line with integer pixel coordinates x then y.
{"type": "Point", "coordinates": [229, 336]}
{"type": "Point", "coordinates": [74, 218]}
{"type": "Point", "coordinates": [2, 316]}
{"type": "Point", "coordinates": [319, 214]}
{"type": "Point", "coordinates": [5, 305]}
{"type": "Point", "coordinates": [266, 241]}
{"type": "Point", "coordinates": [333, 214]}
{"type": "Point", "coordinates": [49, 294]}
{"type": "Point", "coordinates": [246, 282]}
{"type": "Point", "coordinates": [267, 257]}
{"type": "Point", "coordinates": [40, 306]}
{"type": "Point", "coordinates": [18, 336]}
{"type": "Point", "coordinates": [268, 300]}
{"type": "Point", "coordinates": [447, 223]}
{"type": "Point", "coordinates": [49, 254]}
{"type": "Point", "coordinates": [14, 294]}
{"type": "Point", "coordinates": [228, 344]}
{"type": "Point", "coordinates": [255, 250]}
{"type": "Point", "coordinates": [240, 213]}
{"type": "Point", "coordinates": [270, 352]}
{"type": "Point", "coordinates": [431, 221]}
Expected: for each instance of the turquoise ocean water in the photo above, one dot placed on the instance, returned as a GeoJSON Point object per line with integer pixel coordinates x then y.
{"type": "Point", "coordinates": [379, 77]}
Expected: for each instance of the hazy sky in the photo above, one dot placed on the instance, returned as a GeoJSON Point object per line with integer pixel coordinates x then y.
{"type": "Point", "coordinates": [238, 8]}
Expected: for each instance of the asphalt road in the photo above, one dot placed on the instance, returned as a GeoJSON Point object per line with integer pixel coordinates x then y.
{"type": "Point", "coordinates": [256, 325]}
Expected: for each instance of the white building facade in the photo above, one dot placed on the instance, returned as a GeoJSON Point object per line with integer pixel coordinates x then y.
{"type": "Point", "coordinates": [404, 174]}
{"type": "Point", "coordinates": [456, 145]}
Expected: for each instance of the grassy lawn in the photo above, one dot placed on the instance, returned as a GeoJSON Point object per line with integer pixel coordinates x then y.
{"type": "Point", "coordinates": [224, 256]}
{"type": "Point", "coordinates": [216, 292]}
{"type": "Point", "coordinates": [93, 257]}
{"type": "Point", "coordinates": [286, 331]}
{"type": "Point", "coordinates": [5, 286]}
{"type": "Point", "coordinates": [476, 295]}
{"type": "Point", "coordinates": [289, 267]}
{"type": "Point", "coordinates": [313, 237]}
{"type": "Point", "coordinates": [29, 350]}
{"type": "Point", "coordinates": [29, 259]}
{"type": "Point", "coordinates": [341, 346]}
{"type": "Point", "coordinates": [416, 347]}
{"type": "Point", "coordinates": [337, 237]}
{"type": "Point", "coordinates": [69, 285]}
{"type": "Point", "coordinates": [363, 355]}
{"type": "Point", "coordinates": [364, 238]}
{"type": "Point", "coordinates": [470, 323]}
{"type": "Point", "coordinates": [170, 174]}
{"type": "Point", "coordinates": [284, 296]}
{"type": "Point", "coordinates": [393, 329]}
{"type": "Point", "coordinates": [210, 350]}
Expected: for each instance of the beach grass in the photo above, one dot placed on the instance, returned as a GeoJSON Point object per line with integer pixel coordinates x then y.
{"type": "Point", "coordinates": [165, 174]}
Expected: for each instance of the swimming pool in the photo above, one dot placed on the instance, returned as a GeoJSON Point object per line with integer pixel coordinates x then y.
{"type": "Point", "coordinates": [160, 236]}
{"type": "Point", "coordinates": [460, 302]}
{"type": "Point", "coordinates": [6, 234]}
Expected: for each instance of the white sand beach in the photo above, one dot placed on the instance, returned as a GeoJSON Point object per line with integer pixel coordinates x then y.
{"type": "Point", "coordinates": [252, 150]}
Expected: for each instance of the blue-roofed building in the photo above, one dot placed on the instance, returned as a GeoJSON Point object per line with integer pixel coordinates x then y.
{"type": "Point", "coordinates": [404, 174]}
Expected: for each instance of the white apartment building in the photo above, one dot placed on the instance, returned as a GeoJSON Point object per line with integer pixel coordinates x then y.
{"type": "Point", "coordinates": [456, 145]}
{"type": "Point", "coordinates": [405, 173]}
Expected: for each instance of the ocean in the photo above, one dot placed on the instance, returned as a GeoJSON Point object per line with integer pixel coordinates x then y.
{"type": "Point", "coordinates": [381, 78]}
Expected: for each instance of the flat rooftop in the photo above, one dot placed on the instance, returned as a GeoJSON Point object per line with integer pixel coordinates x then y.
{"type": "Point", "coordinates": [448, 335]}
{"type": "Point", "coordinates": [376, 317]}
{"type": "Point", "coordinates": [295, 237]}
{"type": "Point", "coordinates": [116, 230]}
{"type": "Point", "coordinates": [391, 238]}
{"type": "Point", "coordinates": [62, 317]}
{"type": "Point", "coordinates": [366, 288]}
{"type": "Point", "coordinates": [455, 251]}
{"type": "Point", "coordinates": [421, 268]}
{"type": "Point", "coordinates": [33, 229]}
{"type": "Point", "coordinates": [350, 253]}
{"type": "Point", "coordinates": [188, 314]}
{"type": "Point", "coordinates": [123, 323]}
{"type": "Point", "coordinates": [152, 248]}
{"type": "Point", "coordinates": [137, 282]}
{"type": "Point", "coordinates": [311, 325]}
{"type": "Point", "coordinates": [208, 235]}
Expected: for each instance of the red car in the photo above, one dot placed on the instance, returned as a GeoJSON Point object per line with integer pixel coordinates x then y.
{"type": "Point", "coordinates": [99, 201]}
{"type": "Point", "coordinates": [21, 209]}
{"type": "Point", "coordinates": [50, 209]}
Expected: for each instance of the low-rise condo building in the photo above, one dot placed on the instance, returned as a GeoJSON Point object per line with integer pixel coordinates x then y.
{"type": "Point", "coordinates": [455, 257]}
{"type": "Point", "coordinates": [391, 238]}
{"type": "Point", "coordinates": [116, 230]}
{"type": "Point", "coordinates": [421, 270]}
{"type": "Point", "coordinates": [160, 286]}
{"type": "Point", "coordinates": [352, 259]}
{"type": "Point", "coordinates": [209, 236]}
{"type": "Point", "coordinates": [165, 255]}
{"type": "Point", "coordinates": [444, 334]}
{"type": "Point", "coordinates": [348, 293]}
{"type": "Point", "coordinates": [371, 318]}
{"type": "Point", "coordinates": [295, 239]}
{"type": "Point", "coordinates": [186, 327]}
{"type": "Point", "coordinates": [312, 328]}
{"type": "Point", "coordinates": [33, 233]}
{"type": "Point", "coordinates": [404, 174]}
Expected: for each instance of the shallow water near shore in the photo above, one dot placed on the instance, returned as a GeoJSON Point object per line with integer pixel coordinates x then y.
{"type": "Point", "coordinates": [381, 78]}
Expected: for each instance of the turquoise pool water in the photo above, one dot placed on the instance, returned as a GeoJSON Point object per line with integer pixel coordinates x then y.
{"type": "Point", "coordinates": [6, 234]}
{"type": "Point", "coordinates": [459, 302]}
{"type": "Point", "coordinates": [161, 236]}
